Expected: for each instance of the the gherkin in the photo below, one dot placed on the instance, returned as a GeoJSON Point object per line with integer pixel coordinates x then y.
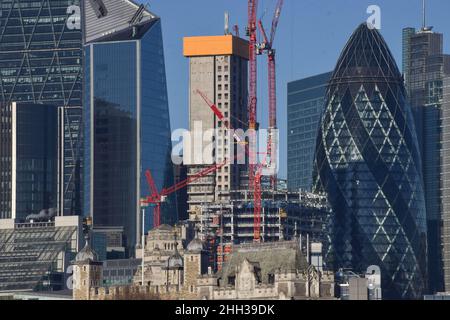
{"type": "Point", "coordinates": [367, 161]}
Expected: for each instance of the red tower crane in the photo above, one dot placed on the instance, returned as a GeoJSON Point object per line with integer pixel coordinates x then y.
{"type": "Point", "coordinates": [254, 176]}
{"type": "Point", "coordinates": [252, 104]}
{"type": "Point", "coordinates": [267, 47]}
{"type": "Point", "coordinates": [156, 198]}
{"type": "Point", "coordinates": [258, 168]}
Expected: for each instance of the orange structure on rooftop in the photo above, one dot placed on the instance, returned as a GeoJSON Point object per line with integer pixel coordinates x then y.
{"type": "Point", "coordinates": [215, 46]}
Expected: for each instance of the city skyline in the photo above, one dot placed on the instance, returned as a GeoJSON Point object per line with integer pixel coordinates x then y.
{"type": "Point", "coordinates": [355, 205]}
{"type": "Point", "coordinates": [324, 41]}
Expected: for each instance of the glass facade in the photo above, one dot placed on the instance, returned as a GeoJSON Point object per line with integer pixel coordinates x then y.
{"type": "Point", "coordinates": [41, 62]}
{"type": "Point", "coordinates": [444, 243]}
{"type": "Point", "coordinates": [127, 128]}
{"type": "Point", "coordinates": [28, 170]}
{"type": "Point", "coordinates": [425, 68]}
{"type": "Point", "coordinates": [305, 105]}
{"type": "Point", "coordinates": [36, 158]}
{"type": "Point", "coordinates": [367, 161]}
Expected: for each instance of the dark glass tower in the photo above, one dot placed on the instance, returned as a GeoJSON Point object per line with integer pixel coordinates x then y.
{"type": "Point", "coordinates": [28, 158]}
{"type": "Point", "coordinates": [127, 125]}
{"type": "Point", "coordinates": [367, 161]}
{"type": "Point", "coordinates": [41, 62]}
{"type": "Point", "coordinates": [425, 69]}
{"type": "Point", "coordinates": [304, 106]}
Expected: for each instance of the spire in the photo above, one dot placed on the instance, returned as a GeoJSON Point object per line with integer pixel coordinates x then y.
{"type": "Point", "coordinates": [87, 238]}
{"type": "Point", "coordinates": [424, 15]}
{"type": "Point", "coordinates": [425, 28]}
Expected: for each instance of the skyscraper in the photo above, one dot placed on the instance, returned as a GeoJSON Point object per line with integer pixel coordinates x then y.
{"type": "Point", "coordinates": [368, 163]}
{"type": "Point", "coordinates": [444, 235]}
{"type": "Point", "coordinates": [425, 67]}
{"type": "Point", "coordinates": [305, 105]}
{"type": "Point", "coordinates": [127, 125]}
{"type": "Point", "coordinates": [218, 66]}
{"type": "Point", "coordinates": [41, 62]}
{"type": "Point", "coordinates": [28, 158]}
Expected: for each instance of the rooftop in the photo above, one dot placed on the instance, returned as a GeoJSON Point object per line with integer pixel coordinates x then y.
{"type": "Point", "coordinates": [215, 46]}
{"type": "Point", "coordinates": [267, 257]}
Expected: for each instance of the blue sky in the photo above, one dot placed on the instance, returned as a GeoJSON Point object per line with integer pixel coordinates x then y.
{"type": "Point", "coordinates": [310, 37]}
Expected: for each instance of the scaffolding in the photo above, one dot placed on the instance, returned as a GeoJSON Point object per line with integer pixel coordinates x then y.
{"type": "Point", "coordinates": [284, 215]}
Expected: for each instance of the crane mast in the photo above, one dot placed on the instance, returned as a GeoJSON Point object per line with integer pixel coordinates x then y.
{"type": "Point", "coordinates": [267, 47]}
{"type": "Point", "coordinates": [252, 104]}
{"type": "Point", "coordinates": [258, 168]}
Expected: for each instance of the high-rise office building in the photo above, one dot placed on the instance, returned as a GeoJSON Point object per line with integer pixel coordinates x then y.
{"type": "Point", "coordinates": [368, 163]}
{"type": "Point", "coordinates": [41, 62]}
{"type": "Point", "coordinates": [425, 67]}
{"type": "Point", "coordinates": [28, 159]}
{"type": "Point", "coordinates": [218, 66]}
{"type": "Point", "coordinates": [444, 235]}
{"type": "Point", "coordinates": [406, 52]}
{"type": "Point", "coordinates": [127, 125]}
{"type": "Point", "coordinates": [304, 107]}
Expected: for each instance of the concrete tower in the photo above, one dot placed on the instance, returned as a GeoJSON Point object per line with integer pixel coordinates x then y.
{"type": "Point", "coordinates": [218, 67]}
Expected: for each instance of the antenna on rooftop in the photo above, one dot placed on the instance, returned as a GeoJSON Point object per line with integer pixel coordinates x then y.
{"type": "Point", "coordinates": [227, 23]}
{"type": "Point", "coordinates": [424, 15]}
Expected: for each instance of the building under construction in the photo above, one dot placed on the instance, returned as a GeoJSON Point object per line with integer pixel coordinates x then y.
{"type": "Point", "coordinates": [284, 216]}
{"type": "Point", "coordinates": [231, 203]}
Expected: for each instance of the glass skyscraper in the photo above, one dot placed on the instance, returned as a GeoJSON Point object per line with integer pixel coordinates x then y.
{"type": "Point", "coordinates": [444, 220]}
{"type": "Point", "coordinates": [41, 62]}
{"type": "Point", "coordinates": [425, 67]}
{"type": "Point", "coordinates": [28, 159]}
{"type": "Point", "coordinates": [368, 163]}
{"type": "Point", "coordinates": [304, 106]}
{"type": "Point", "coordinates": [127, 125]}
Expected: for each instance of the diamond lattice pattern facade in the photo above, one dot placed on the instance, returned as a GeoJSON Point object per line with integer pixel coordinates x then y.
{"type": "Point", "coordinates": [367, 161]}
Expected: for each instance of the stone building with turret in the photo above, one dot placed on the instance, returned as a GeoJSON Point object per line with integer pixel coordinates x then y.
{"type": "Point", "coordinates": [173, 270]}
{"type": "Point", "coordinates": [87, 273]}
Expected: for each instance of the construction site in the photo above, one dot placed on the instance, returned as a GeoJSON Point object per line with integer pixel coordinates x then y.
{"type": "Point", "coordinates": [284, 216]}
{"type": "Point", "coordinates": [232, 202]}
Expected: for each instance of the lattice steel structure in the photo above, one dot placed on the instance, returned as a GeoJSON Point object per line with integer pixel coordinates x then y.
{"type": "Point", "coordinates": [41, 62]}
{"type": "Point", "coordinates": [367, 161]}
